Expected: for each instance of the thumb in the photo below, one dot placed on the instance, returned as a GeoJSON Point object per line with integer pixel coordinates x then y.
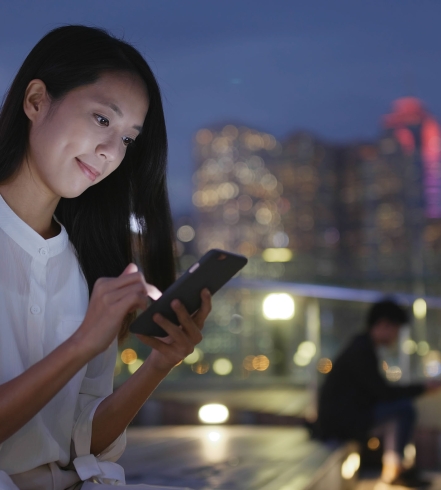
{"type": "Point", "coordinates": [130, 269]}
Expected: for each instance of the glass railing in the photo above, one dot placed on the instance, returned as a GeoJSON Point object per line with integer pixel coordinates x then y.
{"type": "Point", "coordinates": [265, 332]}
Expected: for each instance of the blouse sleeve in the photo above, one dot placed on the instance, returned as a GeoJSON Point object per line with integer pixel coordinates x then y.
{"type": "Point", "coordinates": [96, 385]}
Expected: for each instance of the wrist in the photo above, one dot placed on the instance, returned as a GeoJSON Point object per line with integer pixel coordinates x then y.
{"type": "Point", "coordinates": [83, 346]}
{"type": "Point", "coordinates": [160, 369]}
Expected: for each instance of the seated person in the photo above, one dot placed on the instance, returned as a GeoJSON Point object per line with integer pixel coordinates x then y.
{"type": "Point", "coordinates": [356, 400]}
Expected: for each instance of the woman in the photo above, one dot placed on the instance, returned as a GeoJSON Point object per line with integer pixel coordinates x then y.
{"type": "Point", "coordinates": [82, 150]}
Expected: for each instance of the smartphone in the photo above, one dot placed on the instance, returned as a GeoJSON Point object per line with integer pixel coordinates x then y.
{"type": "Point", "coordinates": [212, 271]}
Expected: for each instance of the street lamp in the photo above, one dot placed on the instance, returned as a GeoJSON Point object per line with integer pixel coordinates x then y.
{"type": "Point", "coordinates": [277, 307]}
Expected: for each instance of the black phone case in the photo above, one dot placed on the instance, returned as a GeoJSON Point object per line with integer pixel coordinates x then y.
{"type": "Point", "coordinates": [212, 271]}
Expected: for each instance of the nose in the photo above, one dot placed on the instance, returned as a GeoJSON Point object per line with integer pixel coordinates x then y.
{"type": "Point", "coordinates": [110, 149]}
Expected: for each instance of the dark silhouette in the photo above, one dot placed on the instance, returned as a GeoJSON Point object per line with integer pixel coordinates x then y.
{"type": "Point", "coordinates": [356, 401]}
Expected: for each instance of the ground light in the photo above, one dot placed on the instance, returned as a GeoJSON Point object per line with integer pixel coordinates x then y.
{"type": "Point", "coordinates": [213, 413]}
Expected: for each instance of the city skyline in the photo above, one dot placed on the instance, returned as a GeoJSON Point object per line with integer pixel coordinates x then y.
{"type": "Point", "coordinates": [307, 210]}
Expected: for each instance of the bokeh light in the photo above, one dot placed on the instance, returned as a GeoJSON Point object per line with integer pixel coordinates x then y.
{"type": "Point", "coordinates": [307, 349]}
{"type": "Point", "coordinates": [278, 306]}
{"type": "Point", "coordinates": [213, 413]}
{"type": "Point", "coordinates": [420, 308]}
{"type": "Point", "coordinates": [423, 348]}
{"type": "Point", "coordinates": [324, 365]}
{"type": "Point", "coordinates": [248, 363]}
{"type": "Point", "coordinates": [128, 356]}
{"type": "Point", "coordinates": [195, 356]}
{"type": "Point", "coordinates": [222, 366]}
{"type": "Point", "coordinates": [134, 366]}
{"type": "Point", "coordinates": [373, 443]}
{"type": "Point", "coordinates": [185, 233]}
{"type": "Point", "coordinates": [350, 466]}
{"type": "Point", "coordinates": [277, 255]}
{"type": "Point", "coordinates": [409, 347]}
{"type": "Point", "coordinates": [260, 363]}
{"type": "Point", "coordinates": [394, 373]}
{"type": "Point", "coordinates": [301, 360]}
{"type": "Point", "coordinates": [200, 367]}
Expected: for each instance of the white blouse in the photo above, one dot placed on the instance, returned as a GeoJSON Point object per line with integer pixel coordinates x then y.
{"type": "Point", "coordinates": [43, 300]}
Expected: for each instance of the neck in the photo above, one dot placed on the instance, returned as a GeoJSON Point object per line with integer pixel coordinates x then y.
{"type": "Point", "coordinates": [31, 204]}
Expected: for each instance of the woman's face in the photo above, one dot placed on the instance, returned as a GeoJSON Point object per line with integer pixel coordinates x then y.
{"type": "Point", "coordinates": [78, 141]}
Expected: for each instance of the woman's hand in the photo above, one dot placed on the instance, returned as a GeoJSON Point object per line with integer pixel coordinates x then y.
{"type": "Point", "coordinates": [111, 300]}
{"type": "Point", "coordinates": [181, 340]}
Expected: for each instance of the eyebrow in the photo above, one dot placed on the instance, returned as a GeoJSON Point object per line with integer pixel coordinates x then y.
{"type": "Point", "coordinates": [118, 111]}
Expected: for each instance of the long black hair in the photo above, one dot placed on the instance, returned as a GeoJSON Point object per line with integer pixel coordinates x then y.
{"type": "Point", "coordinates": [98, 221]}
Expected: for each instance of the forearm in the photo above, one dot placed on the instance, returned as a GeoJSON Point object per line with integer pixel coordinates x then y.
{"type": "Point", "coordinates": [24, 396]}
{"type": "Point", "coordinates": [117, 410]}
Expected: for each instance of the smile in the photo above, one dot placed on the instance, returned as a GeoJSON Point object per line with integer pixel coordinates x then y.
{"type": "Point", "coordinates": [88, 171]}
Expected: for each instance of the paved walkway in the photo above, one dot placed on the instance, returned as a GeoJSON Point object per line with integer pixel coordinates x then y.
{"type": "Point", "coordinates": [230, 458]}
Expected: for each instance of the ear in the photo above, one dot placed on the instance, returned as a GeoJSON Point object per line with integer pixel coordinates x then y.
{"type": "Point", "coordinates": [35, 99]}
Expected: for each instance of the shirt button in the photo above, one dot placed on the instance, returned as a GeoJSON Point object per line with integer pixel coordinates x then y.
{"type": "Point", "coordinates": [35, 309]}
{"type": "Point", "coordinates": [43, 251]}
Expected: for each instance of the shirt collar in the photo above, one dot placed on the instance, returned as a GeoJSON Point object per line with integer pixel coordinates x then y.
{"type": "Point", "coordinates": [27, 238]}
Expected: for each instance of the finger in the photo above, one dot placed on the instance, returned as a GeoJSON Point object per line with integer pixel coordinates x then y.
{"type": "Point", "coordinates": [156, 344]}
{"type": "Point", "coordinates": [125, 279]}
{"type": "Point", "coordinates": [170, 328]}
{"type": "Point", "coordinates": [186, 321]}
{"type": "Point", "coordinates": [153, 291]}
{"type": "Point", "coordinates": [174, 353]}
{"type": "Point", "coordinates": [117, 294]}
{"type": "Point", "coordinates": [131, 302]}
{"type": "Point", "coordinates": [130, 269]}
{"type": "Point", "coordinates": [204, 310]}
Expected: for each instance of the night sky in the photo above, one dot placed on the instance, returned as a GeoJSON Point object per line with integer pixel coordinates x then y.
{"type": "Point", "coordinates": [332, 67]}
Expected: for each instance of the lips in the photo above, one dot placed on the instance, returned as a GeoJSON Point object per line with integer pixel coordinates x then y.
{"type": "Point", "coordinates": [87, 170]}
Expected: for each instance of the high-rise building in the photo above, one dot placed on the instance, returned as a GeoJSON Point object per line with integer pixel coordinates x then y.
{"type": "Point", "coordinates": [366, 214]}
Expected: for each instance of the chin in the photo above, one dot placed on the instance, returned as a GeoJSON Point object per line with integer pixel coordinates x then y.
{"type": "Point", "coordinates": [72, 193]}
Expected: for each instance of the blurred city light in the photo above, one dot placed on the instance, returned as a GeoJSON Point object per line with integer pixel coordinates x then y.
{"type": "Point", "coordinates": [350, 466]}
{"type": "Point", "coordinates": [277, 255]}
{"type": "Point", "coordinates": [213, 413]}
{"type": "Point", "coordinates": [128, 356]}
{"type": "Point", "coordinates": [423, 348]}
{"type": "Point", "coordinates": [134, 366]}
{"type": "Point", "coordinates": [373, 443]}
{"type": "Point", "coordinates": [409, 455]}
{"type": "Point", "coordinates": [393, 373]}
{"type": "Point", "coordinates": [185, 233]}
{"type": "Point", "coordinates": [307, 349]}
{"type": "Point", "coordinates": [248, 363]}
{"type": "Point", "coordinates": [195, 356]}
{"type": "Point", "coordinates": [200, 367]}
{"type": "Point", "coordinates": [301, 360]}
{"type": "Point", "coordinates": [222, 366]}
{"type": "Point", "coordinates": [324, 365]}
{"type": "Point", "coordinates": [278, 306]}
{"type": "Point", "coordinates": [260, 363]}
{"type": "Point", "coordinates": [420, 308]}
{"type": "Point", "coordinates": [409, 347]}
{"type": "Point", "coordinates": [432, 363]}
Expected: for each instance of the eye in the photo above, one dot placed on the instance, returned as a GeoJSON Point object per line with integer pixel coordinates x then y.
{"type": "Point", "coordinates": [128, 141]}
{"type": "Point", "coordinates": [102, 121]}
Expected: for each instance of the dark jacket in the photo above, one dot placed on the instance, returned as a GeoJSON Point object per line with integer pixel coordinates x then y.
{"type": "Point", "coordinates": [352, 389]}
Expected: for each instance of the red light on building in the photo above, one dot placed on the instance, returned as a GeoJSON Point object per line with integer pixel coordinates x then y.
{"type": "Point", "coordinates": [419, 134]}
